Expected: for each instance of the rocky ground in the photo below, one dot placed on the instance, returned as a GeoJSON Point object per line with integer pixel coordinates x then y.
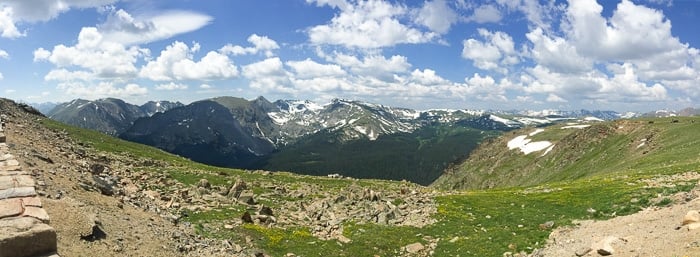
{"type": "Point", "coordinates": [671, 231]}
{"type": "Point", "coordinates": [124, 205]}
{"type": "Point", "coordinates": [86, 222]}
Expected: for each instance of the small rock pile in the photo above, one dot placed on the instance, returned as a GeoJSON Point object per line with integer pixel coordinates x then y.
{"type": "Point", "coordinates": [326, 214]}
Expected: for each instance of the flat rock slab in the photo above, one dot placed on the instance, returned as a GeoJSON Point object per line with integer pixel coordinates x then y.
{"type": "Point", "coordinates": [16, 181]}
{"type": "Point", "coordinates": [9, 167]}
{"type": "Point", "coordinates": [26, 206]}
{"type": "Point", "coordinates": [25, 236]}
{"type": "Point", "coordinates": [36, 212]}
{"type": "Point", "coordinates": [17, 192]}
{"type": "Point", "coordinates": [17, 172]}
{"type": "Point", "coordinates": [10, 208]}
{"type": "Point", "coordinates": [31, 201]}
{"type": "Point", "coordinates": [10, 162]}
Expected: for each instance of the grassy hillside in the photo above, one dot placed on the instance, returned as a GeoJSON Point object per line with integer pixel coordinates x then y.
{"type": "Point", "coordinates": [605, 172]}
{"type": "Point", "coordinates": [420, 156]}
{"type": "Point", "coordinates": [641, 146]}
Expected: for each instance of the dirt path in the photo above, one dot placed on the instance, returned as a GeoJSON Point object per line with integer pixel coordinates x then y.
{"type": "Point", "coordinates": [649, 233]}
{"type": "Point", "coordinates": [52, 160]}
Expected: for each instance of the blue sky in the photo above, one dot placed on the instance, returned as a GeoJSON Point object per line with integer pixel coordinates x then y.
{"type": "Point", "coordinates": [626, 55]}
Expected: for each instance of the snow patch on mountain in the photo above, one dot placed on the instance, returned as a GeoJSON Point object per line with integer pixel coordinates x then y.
{"type": "Point", "coordinates": [499, 119]}
{"type": "Point", "coordinates": [506, 122]}
{"type": "Point", "coordinates": [535, 147]}
{"type": "Point", "coordinates": [591, 118]}
{"type": "Point", "coordinates": [526, 146]}
{"type": "Point", "coordinates": [278, 118]}
{"type": "Point", "coordinates": [532, 121]}
{"type": "Point", "coordinates": [575, 126]}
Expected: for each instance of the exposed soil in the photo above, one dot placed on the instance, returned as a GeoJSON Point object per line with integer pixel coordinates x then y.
{"type": "Point", "coordinates": [655, 231]}
{"type": "Point", "coordinates": [76, 213]}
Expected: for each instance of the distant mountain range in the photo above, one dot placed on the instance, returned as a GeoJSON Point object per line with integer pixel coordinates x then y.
{"type": "Point", "coordinates": [111, 116]}
{"type": "Point", "coordinates": [669, 113]}
{"type": "Point", "coordinates": [347, 137]}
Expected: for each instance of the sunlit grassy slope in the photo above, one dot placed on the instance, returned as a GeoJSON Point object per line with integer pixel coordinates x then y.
{"type": "Point", "coordinates": [599, 168]}
{"type": "Point", "coordinates": [641, 146]}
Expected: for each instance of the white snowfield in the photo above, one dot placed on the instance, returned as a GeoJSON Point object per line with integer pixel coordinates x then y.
{"type": "Point", "coordinates": [592, 119]}
{"type": "Point", "coordinates": [575, 126]}
{"type": "Point", "coordinates": [507, 122]}
{"type": "Point", "coordinates": [526, 146]}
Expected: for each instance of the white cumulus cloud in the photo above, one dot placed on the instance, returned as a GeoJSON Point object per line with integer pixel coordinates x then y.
{"type": "Point", "coordinates": [92, 53]}
{"type": "Point", "coordinates": [496, 52]}
{"type": "Point", "coordinates": [368, 24]}
{"type": "Point", "coordinates": [632, 32]}
{"type": "Point", "coordinates": [486, 14]}
{"type": "Point", "coordinates": [260, 44]}
{"type": "Point", "coordinates": [7, 24]}
{"type": "Point", "coordinates": [557, 53]}
{"type": "Point", "coordinates": [177, 62]}
{"type": "Point", "coordinates": [437, 15]}
{"type": "Point", "coordinates": [373, 65]}
{"type": "Point", "coordinates": [428, 77]}
{"type": "Point", "coordinates": [311, 69]}
{"type": "Point", "coordinates": [268, 75]}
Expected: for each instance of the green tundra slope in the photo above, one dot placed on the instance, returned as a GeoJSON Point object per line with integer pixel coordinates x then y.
{"type": "Point", "coordinates": [624, 147]}
{"type": "Point", "coordinates": [599, 168]}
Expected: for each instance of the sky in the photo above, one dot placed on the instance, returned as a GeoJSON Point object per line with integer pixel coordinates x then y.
{"type": "Point", "coordinates": [623, 55]}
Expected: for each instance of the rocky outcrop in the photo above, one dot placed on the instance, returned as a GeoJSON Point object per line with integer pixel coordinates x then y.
{"type": "Point", "coordinates": [24, 224]}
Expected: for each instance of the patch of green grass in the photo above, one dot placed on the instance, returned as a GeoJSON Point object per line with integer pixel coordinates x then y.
{"type": "Point", "coordinates": [486, 223]}
{"type": "Point", "coordinates": [279, 242]}
{"type": "Point", "coordinates": [367, 240]}
{"type": "Point", "coordinates": [664, 202]}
